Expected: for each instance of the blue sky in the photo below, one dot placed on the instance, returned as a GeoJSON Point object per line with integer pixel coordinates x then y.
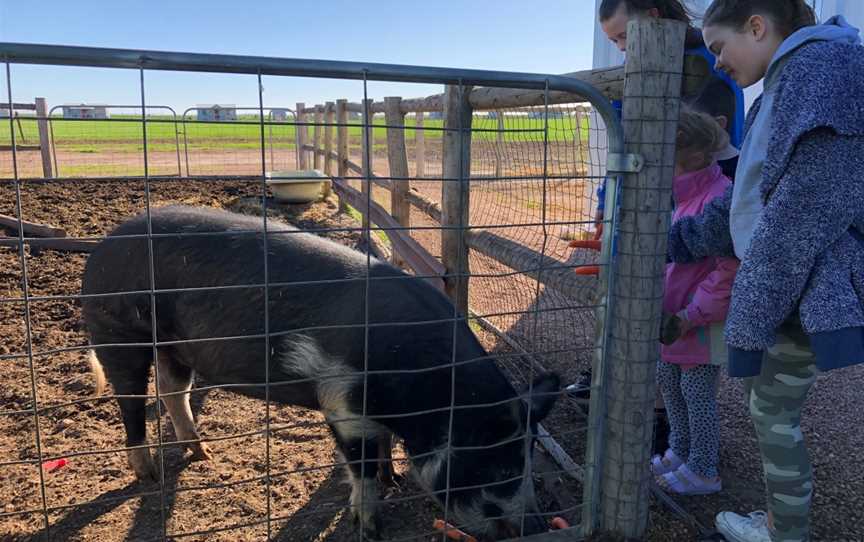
{"type": "Point", "coordinates": [554, 36]}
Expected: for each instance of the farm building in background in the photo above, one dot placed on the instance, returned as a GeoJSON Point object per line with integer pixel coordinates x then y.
{"type": "Point", "coordinates": [280, 115]}
{"type": "Point", "coordinates": [85, 111]}
{"type": "Point", "coordinates": [217, 112]}
{"type": "Point", "coordinates": [552, 114]}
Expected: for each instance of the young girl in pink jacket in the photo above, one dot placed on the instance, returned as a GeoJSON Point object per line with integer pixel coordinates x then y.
{"type": "Point", "coordinates": [698, 295]}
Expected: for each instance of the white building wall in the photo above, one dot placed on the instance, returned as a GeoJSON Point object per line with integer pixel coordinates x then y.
{"type": "Point", "coordinates": [606, 54]}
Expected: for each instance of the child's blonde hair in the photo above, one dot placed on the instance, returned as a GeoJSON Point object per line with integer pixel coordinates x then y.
{"type": "Point", "coordinates": [699, 132]}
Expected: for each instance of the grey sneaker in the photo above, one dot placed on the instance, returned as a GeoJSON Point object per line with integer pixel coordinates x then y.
{"type": "Point", "coordinates": [750, 528]}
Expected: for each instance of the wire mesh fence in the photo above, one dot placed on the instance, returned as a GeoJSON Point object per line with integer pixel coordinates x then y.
{"type": "Point", "coordinates": [219, 146]}
{"type": "Point", "coordinates": [110, 143]}
{"type": "Point", "coordinates": [274, 472]}
{"type": "Point", "coordinates": [542, 211]}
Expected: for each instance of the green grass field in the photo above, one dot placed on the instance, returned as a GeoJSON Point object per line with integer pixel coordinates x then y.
{"type": "Point", "coordinates": [163, 134]}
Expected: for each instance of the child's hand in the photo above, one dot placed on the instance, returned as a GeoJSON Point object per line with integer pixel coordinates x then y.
{"type": "Point", "coordinates": [674, 326]}
{"type": "Point", "coordinates": [684, 324]}
{"type": "Point", "coordinates": [598, 226]}
{"type": "Point", "coordinates": [670, 328]}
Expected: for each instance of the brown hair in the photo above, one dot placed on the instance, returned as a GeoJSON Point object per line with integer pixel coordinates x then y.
{"type": "Point", "coordinates": [716, 98]}
{"type": "Point", "coordinates": [668, 9]}
{"type": "Point", "coordinates": [699, 132]}
{"type": "Point", "coordinates": [788, 15]}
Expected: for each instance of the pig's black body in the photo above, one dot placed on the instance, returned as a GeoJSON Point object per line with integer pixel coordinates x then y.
{"type": "Point", "coordinates": [318, 351]}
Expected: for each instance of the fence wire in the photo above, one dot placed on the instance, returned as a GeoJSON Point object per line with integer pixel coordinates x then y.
{"type": "Point", "coordinates": [274, 475]}
{"type": "Point", "coordinates": [520, 192]}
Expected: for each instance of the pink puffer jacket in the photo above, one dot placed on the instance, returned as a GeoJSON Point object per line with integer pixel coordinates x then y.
{"type": "Point", "coordinates": [704, 288]}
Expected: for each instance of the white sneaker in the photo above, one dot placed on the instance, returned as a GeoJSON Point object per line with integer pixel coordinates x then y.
{"type": "Point", "coordinates": [737, 528]}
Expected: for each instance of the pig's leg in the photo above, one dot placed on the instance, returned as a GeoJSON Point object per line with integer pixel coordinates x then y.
{"type": "Point", "coordinates": [385, 462]}
{"type": "Point", "coordinates": [174, 377]}
{"type": "Point", "coordinates": [364, 486]}
{"type": "Point", "coordinates": [128, 370]}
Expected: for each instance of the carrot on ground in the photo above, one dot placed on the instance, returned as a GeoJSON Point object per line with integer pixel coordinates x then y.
{"type": "Point", "coordinates": [559, 523]}
{"type": "Point", "coordinates": [452, 532]}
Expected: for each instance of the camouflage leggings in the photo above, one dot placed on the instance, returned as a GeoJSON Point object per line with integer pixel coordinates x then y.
{"type": "Point", "coordinates": [775, 398]}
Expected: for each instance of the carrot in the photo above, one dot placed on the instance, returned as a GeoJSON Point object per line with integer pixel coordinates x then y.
{"type": "Point", "coordinates": [588, 270]}
{"type": "Point", "coordinates": [559, 523]}
{"type": "Point", "coordinates": [452, 532]}
{"type": "Point", "coordinates": [589, 244]}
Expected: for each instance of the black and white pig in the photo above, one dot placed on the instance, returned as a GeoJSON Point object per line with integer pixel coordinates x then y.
{"type": "Point", "coordinates": [317, 310]}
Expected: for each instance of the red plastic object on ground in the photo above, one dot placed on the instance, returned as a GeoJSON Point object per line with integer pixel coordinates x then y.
{"type": "Point", "coordinates": [452, 532]}
{"type": "Point", "coordinates": [51, 466]}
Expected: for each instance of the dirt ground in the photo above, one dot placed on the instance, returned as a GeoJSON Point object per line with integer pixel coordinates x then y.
{"type": "Point", "coordinates": [95, 496]}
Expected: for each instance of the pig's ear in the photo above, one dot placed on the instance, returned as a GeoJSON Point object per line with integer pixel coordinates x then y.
{"type": "Point", "coordinates": [544, 393]}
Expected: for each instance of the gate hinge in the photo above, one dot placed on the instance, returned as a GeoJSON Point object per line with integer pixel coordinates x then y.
{"type": "Point", "coordinates": [624, 163]}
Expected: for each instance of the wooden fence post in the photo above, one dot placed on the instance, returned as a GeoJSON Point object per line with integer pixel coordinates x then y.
{"type": "Point", "coordinates": [44, 137]}
{"type": "Point", "coordinates": [316, 137]}
{"type": "Point", "coordinates": [455, 172]}
{"type": "Point", "coordinates": [367, 160]}
{"type": "Point", "coordinates": [499, 152]}
{"type": "Point", "coordinates": [652, 89]}
{"type": "Point", "coordinates": [329, 112]}
{"type": "Point", "coordinates": [342, 139]}
{"type": "Point", "coordinates": [397, 158]}
{"type": "Point", "coordinates": [301, 134]}
{"type": "Point", "coordinates": [419, 145]}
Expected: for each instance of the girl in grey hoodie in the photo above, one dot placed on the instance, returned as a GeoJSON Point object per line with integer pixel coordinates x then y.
{"type": "Point", "coordinates": [795, 218]}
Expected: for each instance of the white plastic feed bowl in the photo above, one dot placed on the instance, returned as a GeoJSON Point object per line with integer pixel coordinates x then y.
{"type": "Point", "coordinates": [297, 186]}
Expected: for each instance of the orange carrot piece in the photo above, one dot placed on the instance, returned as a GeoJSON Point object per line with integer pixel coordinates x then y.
{"type": "Point", "coordinates": [559, 523]}
{"type": "Point", "coordinates": [452, 532]}
{"type": "Point", "coordinates": [588, 270]}
{"type": "Point", "coordinates": [589, 244]}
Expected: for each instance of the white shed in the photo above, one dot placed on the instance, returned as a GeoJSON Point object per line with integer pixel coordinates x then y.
{"type": "Point", "coordinates": [217, 112]}
{"type": "Point", "coordinates": [279, 115]}
{"type": "Point", "coordinates": [85, 111]}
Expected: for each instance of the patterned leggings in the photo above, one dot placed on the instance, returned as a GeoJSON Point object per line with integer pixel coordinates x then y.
{"type": "Point", "coordinates": [775, 398]}
{"type": "Point", "coordinates": [691, 405]}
